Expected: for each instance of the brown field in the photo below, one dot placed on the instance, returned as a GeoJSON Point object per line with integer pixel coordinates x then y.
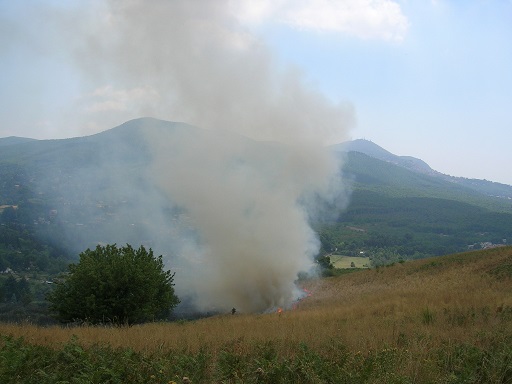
{"type": "Point", "coordinates": [463, 298]}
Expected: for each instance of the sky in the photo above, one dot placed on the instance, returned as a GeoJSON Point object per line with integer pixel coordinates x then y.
{"type": "Point", "coordinates": [429, 79]}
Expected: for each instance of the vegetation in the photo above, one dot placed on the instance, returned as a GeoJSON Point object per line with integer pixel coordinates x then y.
{"type": "Point", "coordinates": [14, 290]}
{"type": "Point", "coordinates": [59, 197]}
{"type": "Point", "coordinates": [52, 204]}
{"type": "Point", "coordinates": [27, 246]}
{"type": "Point", "coordinates": [390, 229]}
{"type": "Point", "coordinates": [396, 214]}
{"type": "Point", "coordinates": [382, 177]}
{"type": "Point", "coordinates": [350, 262]}
{"type": "Point", "coordinates": [115, 285]}
{"type": "Point", "coordinates": [413, 322]}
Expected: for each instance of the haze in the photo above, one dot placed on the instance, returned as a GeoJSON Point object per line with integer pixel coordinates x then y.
{"type": "Point", "coordinates": [429, 79]}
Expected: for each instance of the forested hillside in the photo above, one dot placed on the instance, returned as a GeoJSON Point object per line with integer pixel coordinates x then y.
{"type": "Point", "coordinates": [396, 213]}
{"type": "Point", "coordinates": [58, 197]}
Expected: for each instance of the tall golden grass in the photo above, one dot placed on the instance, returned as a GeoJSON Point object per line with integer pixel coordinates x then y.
{"type": "Point", "coordinates": [417, 305]}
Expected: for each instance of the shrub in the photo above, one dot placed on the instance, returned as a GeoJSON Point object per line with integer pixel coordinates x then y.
{"type": "Point", "coordinates": [115, 285]}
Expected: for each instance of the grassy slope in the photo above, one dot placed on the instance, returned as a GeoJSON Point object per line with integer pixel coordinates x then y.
{"type": "Point", "coordinates": [446, 319]}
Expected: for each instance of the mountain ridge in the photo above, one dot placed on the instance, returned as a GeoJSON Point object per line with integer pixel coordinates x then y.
{"type": "Point", "coordinates": [372, 149]}
{"type": "Point", "coordinates": [369, 148]}
{"type": "Point", "coordinates": [97, 188]}
{"type": "Point", "coordinates": [14, 140]}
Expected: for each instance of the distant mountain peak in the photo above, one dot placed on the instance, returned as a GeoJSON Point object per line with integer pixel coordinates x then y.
{"type": "Point", "coordinates": [367, 147]}
{"type": "Point", "coordinates": [371, 149]}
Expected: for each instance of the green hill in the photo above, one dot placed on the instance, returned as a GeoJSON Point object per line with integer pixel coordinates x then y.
{"type": "Point", "coordinates": [418, 166]}
{"type": "Point", "coordinates": [59, 197]}
{"type": "Point", "coordinates": [397, 212]}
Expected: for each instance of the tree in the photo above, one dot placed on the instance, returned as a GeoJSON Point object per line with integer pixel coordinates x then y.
{"type": "Point", "coordinates": [16, 290]}
{"type": "Point", "coordinates": [115, 285]}
{"type": "Point", "coordinates": [324, 262]}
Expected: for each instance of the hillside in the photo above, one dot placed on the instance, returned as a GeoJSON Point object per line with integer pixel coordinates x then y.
{"type": "Point", "coordinates": [12, 140]}
{"type": "Point", "coordinates": [418, 166]}
{"type": "Point", "coordinates": [396, 212]}
{"type": "Point", "coordinates": [438, 320]}
{"type": "Point", "coordinates": [371, 149]}
{"type": "Point", "coordinates": [62, 196]}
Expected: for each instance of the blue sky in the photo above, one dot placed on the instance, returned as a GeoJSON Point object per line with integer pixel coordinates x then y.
{"type": "Point", "coordinates": [430, 79]}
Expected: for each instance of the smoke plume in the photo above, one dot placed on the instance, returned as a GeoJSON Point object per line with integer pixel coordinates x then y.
{"type": "Point", "coordinates": [248, 182]}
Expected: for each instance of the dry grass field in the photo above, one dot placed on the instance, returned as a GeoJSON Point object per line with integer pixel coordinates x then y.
{"type": "Point", "coordinates": [412, 312]}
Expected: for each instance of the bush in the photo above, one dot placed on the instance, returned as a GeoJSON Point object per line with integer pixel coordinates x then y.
{"type": "Point", "coordinates": [115, 285]}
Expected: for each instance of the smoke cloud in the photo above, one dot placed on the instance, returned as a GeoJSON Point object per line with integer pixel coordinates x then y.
{"type": "Point", "coordinates": [248, 202]}
{"type": "Point", "coordinates": [247, 183]}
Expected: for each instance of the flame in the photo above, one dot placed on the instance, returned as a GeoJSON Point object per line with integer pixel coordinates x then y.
{"type": "Point", "coordinates": [307, 293]}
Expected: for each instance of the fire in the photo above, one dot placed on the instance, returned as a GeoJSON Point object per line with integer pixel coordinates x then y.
{"type": "Point", "coordinates": [307, 293]}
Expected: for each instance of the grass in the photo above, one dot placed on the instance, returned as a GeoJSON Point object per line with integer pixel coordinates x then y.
{"type": "Point", "coordinates": [339, 261]}
{"type": "Point", "coordinates": [443, 320]}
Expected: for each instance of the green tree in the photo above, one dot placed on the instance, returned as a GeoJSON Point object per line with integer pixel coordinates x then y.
{"type": "Point", "coordinates": [115, 285]}
{"type": "Point", "coordinates": [324, 262]}
{"type": "Point", "coordinates": [16, 290]}
{"type": "Point", "coordinates": [10, 288]}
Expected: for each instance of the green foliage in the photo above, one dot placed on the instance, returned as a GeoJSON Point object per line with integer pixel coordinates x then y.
{"type": "Point", "coordinates": [22, 298]}
{"type": "Point", "coordinates": [15, 290]}
{"type": "Point", "coordinates": [21, 251]}
{"type": "Point", "coordinates": [502, 271]}
{"type": "Point", "coordinates": [115, 285]}
{"type": "Point", "coordinates": [384, 178]}
{"type": "Point", "coordinates": [393, 228]}
{"type": "Point", "coordinates": [395, 213]}
{"type": "Point", "coordinates": [27, 246]}
{"type": "Point", "coordinates": [427, 316]}
{"type": "Point", "coordinates": [324, 262]}
{"type": "Point", "coordinates": [22, 362]}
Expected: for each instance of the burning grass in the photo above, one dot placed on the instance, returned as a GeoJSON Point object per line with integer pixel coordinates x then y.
{"type": "Point", "coordinates": [446, 319]}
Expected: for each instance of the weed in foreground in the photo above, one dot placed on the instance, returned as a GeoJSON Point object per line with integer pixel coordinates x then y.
{"type": "Point", "coordinates": [21, 362]}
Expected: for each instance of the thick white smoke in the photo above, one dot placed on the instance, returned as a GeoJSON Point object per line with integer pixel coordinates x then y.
{"type": "Point", "coordinates": [247, 201]}
{"type": "Point", "coordinates": [249, 183]}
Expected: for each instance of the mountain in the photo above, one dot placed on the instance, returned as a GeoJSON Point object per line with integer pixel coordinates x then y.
{"type": "Point", "coordinates": [59, 197]}
{"type": "Point", "coordinates": [371, 149]}
{"type": "Point", "coordinates": [72, 194]}
{"type": "Point", "coordinates": [369, 173]}
{"type": "Point", "coordinates": [12, 140]}
{"type": "Point", "coordinates": [401, 208]}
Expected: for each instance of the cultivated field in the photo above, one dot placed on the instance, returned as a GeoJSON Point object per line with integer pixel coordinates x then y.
{"type": "Point", "coordinates": [440, 320]}
{"type": "Point", "coordinates": [339, 261]}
